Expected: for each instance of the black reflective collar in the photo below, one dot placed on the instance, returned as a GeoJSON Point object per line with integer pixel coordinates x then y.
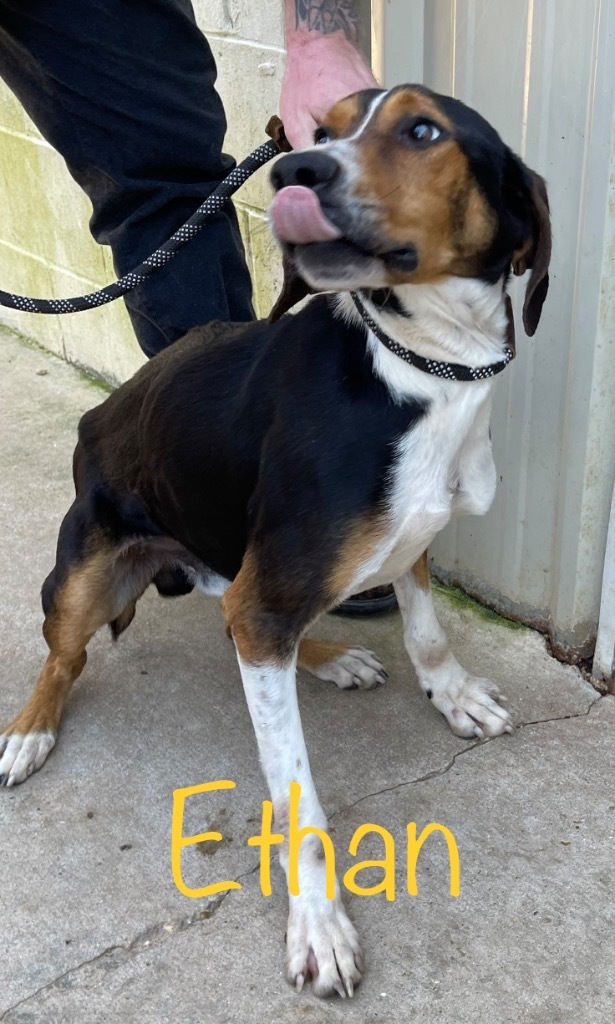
{"type": "Point", "coordinates": [447, 371]}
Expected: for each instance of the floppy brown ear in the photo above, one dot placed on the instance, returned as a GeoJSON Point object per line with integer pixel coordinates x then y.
{"type": "Point", "coordinates": [294, 289]}
{"type": "Point", "coordinates": [535, 254]}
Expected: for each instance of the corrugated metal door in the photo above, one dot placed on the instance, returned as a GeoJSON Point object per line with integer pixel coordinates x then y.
{"type": "Point", "coordinates": [543, 72]}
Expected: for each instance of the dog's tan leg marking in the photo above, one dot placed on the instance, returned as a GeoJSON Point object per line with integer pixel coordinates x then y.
{"type": "Point", "coordinates": [469, 704]}
{"type": "Point", "coordinates": [89, 598]}
{"type": "Point", "coordinates": [420, 571]}
{"type": "Point", "coordinates": [348, 667]}
{"type": "Point", "coordinates": [361, 541]}
{"type": "Point", "coordinates": [321, 941]}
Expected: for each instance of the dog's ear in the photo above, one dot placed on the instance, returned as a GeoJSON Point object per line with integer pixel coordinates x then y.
{"type": "Point", "coordinates": [294, 289]}
{"type": "Point", "coordinates": [535, 251]}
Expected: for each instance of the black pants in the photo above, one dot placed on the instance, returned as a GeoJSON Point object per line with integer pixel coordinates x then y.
{"type": "Point", "coordinates": [124, 90]}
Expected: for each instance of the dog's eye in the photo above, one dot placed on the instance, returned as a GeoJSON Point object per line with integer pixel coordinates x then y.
{"type": "Point", "coordinates": [420, 131]}
{"type": "Point", "coordinates": [321, 135]}
{"type": "Point", "coordinates": [425, 132]}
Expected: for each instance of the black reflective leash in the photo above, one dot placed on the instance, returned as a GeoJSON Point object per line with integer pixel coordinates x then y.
{"type": "Point", "coordinates": [163, 255]}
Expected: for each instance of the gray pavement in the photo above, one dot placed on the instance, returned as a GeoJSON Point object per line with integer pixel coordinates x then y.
{"type": "Point", "coordinates": [93, 926]}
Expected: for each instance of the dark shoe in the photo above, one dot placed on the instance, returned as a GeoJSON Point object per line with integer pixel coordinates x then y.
{"type": "Point", "coordinates": [369, 602]}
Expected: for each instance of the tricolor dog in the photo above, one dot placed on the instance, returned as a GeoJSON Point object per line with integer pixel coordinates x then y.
{"type": "Point", "coordinates": [289, 465]}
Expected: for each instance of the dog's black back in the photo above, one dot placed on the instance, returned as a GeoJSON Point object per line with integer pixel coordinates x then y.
{"type": "Point", "coordinates": [188, 446]}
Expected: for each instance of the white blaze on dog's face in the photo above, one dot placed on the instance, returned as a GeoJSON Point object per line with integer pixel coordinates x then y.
{"type": "Point", "coordinates": [403, 186]}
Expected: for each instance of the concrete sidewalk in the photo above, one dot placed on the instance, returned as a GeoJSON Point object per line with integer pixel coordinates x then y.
{"type": "Point", "coordinates": [93, 926]}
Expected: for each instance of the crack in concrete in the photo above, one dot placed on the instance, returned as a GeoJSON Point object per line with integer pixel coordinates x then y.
{"type": "Point", "coordinates": [57, 980]}
{"type": "Point", "coordinates": [566, 718]}
{"type": "Point", "coordinates": [439, 772]}
{"type": "Point", "coordinates": [434, 774]}
{"type": "Point", "coordinates": [156, 933]}
{"type": "Point", "coordinates": [142, 942]}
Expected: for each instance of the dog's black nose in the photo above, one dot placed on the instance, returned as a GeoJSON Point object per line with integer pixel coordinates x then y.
{"type": "Point", "coordinates": [311, 169]}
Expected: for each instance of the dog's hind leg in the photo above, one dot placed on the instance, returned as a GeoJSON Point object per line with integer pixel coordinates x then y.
{"type": "Point", "coordinates": [99, 589]}
{"type": "Point", "coordinates": [347, 667]}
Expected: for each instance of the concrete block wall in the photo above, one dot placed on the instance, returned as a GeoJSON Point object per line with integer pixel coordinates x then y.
{"type": "Point", "coordinates": [45, 245]}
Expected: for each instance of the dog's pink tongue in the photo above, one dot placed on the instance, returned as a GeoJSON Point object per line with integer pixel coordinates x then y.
{"type": "Point", "coordinates": [298, 218]}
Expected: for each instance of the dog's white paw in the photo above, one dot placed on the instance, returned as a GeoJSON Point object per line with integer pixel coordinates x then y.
{"type": "Point", "coordinates": [322, 946]}
{"type": "Point", "coordinates": [356, 668]}
{"type": "Point", "coordinates": [22, 754]}
{"type": "Point", "coordinates": [472, 707]}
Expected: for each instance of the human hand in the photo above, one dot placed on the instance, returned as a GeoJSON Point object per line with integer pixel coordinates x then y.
{"type": "Point", "coordinates": [320, 70]}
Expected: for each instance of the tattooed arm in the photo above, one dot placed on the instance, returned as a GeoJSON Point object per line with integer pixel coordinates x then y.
{"type": "Point", "coordinates": [323, 63]}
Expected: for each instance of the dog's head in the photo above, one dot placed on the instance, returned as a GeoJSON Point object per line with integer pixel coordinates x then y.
{"type": "Point", "coordinates": [408, 187]}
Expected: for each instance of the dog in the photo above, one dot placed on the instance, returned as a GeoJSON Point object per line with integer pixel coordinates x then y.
{"type": "Point", "coordinates": [285, 465]}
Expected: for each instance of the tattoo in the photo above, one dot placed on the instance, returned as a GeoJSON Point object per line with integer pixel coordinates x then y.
{"type": "Point", "coordinates": [328, 16]}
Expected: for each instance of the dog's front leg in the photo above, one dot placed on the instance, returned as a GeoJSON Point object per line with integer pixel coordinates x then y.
{"type": "Point", "coordinates": [322, 943]}
{"type": "Point", "coordinates": [469, 704]}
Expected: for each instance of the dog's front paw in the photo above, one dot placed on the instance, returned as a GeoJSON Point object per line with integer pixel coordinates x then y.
{"type": "Point", "coordinates": [472, 707]}
{"type": "Point", "coordinates": [322, 945]}
{"type": "Point", "coordinates": [23, 753]}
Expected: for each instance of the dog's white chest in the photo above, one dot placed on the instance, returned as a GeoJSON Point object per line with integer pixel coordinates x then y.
{"type": "Point", "coordinates": [444, 467]}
